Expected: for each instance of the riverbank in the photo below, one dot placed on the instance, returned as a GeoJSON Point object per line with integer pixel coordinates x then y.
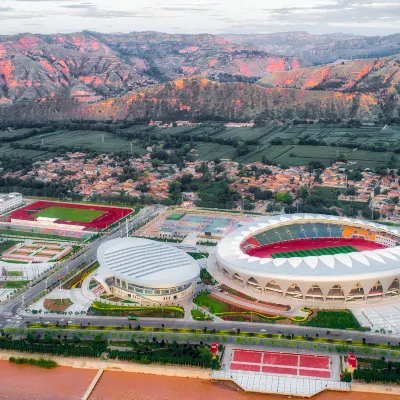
{"type": "Point", "coordinates": [113, 365]}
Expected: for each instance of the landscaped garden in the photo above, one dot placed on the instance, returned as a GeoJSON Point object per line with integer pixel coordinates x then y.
{"type": "Point", "coordinates": [7, 244]}
{"type": "Point", "coordinates": [13, 284]}
{"type": "Point", "coordinates": [206, 278]}
{"type": "Point", "coordinates": [198, 256]}
{"type": "Point", "coordinates": [199, 316]}
{"type": "Point", "coordinates": [237, 293]}
{"type": "Point", "coordinates": [334, 320]}
{"type": "Point", "coordinates": [229, 312]}
{"type": "Point", "coordinates": [102, 309]}
{"type": "Point", "coordinates": [57, 305]}
{"type": "Point", "coordinates": [76, 281]}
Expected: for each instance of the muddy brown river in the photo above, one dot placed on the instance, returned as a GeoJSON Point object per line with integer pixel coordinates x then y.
{"type": "Point", "coordinates": [23, 382]}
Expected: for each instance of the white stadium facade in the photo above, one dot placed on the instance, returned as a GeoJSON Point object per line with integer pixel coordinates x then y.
{"type": "Point", "coordinates": [146, 271]}
{"type": "Point", "coordinates": [354, 277]}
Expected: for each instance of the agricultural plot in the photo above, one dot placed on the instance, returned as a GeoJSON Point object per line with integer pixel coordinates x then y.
{"type": "Point", "coordinates": [209, 151]}
{"type": "Point", "coordinates": [324, 251]}
{"type": "Point", "coordinates": [90, 139]}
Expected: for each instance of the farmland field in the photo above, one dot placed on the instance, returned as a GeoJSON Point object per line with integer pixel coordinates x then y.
{"type": "Point", "coordinates": [90, 139]}
{"type": "Point", "coordinates": [367, 147]}
{"type": "Point", "coordinates": [69, 214]}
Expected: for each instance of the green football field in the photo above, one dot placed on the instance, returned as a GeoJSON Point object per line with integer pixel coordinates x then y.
{"type": "Point", "coordinates": [70, 214]}
{"type": "Point", "coordinates": [324, 251]}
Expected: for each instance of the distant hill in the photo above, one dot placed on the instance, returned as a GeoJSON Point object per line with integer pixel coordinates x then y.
{"type": "Point", "coordinates": [193, 98]}
{"type": "Point", "coordinates": [87, 66]}
{"type": "Point", "coordinates": [322, 49]}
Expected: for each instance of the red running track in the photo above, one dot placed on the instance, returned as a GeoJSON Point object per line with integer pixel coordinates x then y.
{"type": "Point", "coordinates": [309, 244]}
{"type": "Point", "coordinates": [112, 214]}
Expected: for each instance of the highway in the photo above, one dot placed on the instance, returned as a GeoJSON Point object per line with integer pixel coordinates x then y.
{"type": "Point", "coordinates": [267, 328]}
{"type": "Point", "coordinates": [87, 254]}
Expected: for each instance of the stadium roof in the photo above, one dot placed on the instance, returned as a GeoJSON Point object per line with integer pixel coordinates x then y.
{"type": "Point", "coordinates": [147, 263]}
{"type": "Point", "coordinates": [372, 263]}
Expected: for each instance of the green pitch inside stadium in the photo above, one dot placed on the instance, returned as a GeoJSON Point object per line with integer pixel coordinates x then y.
{"type": "Point", "coordinates": [70, 214]}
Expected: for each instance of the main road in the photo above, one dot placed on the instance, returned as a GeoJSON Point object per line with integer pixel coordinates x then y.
{"type": "Point", "coordinates": [87, 254]}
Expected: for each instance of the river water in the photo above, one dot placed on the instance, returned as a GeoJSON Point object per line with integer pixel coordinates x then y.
{"type": "Point", "coordinates": [24, 382]}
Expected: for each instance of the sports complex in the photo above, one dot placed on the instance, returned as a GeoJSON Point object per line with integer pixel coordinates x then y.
{"type": "Point", "coordinates": [311, 258]}
{"type": "Point", "coordinates": [68, 215]}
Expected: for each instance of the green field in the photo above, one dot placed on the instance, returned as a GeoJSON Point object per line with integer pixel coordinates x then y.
{"type": "Point", "coordinates": [367, 147]}
{"type": "Point", "coordinates": [70, 214]}
{"type": "Point", "coordinates": [175, 216]}
{"type": "Point", "coordinates": [324, 251]}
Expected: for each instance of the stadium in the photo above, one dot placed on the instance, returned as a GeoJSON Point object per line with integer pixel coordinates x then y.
{"type": "Point", "coordinates": [146, 271]}
{"type": "Point", "coordinates": [69, 216]}
{"type": "Point", "coordinates": [311, 258]}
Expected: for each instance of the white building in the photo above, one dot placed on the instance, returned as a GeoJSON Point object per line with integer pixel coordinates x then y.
{"type": "Point", "coordinates": [143, 270]}
{"type": "Point", "coordinates": [10, 201]}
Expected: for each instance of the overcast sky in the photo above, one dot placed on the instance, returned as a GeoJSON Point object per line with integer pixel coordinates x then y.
{"type": "Point", "coordinates": [368, 17]}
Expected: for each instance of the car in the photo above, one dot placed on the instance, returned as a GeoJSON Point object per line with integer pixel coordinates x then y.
{"type": "Point", "coordinates": [132, 318]}
{"type": "Point", "coordinates": [9, 320]}
{"type": "Point", "coordinates": [69, 322]}
{"type": "Point", "coordinates": [46, 323]}
{"type": "Point", "coordinates": [263, 330]}
{"type": "Point", "coordinates": [62, 320]}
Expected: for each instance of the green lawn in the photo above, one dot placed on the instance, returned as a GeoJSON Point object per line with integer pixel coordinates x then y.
{"type": "Point", "coordinates": [70, 214]}
{"type": "Point", "coordinates": [203, 299]}
{"type": "Point", "coordinates": [325, 251]}
{"type": "Point", "coordinates": [334, 320]}
{"type": "Point", "coordinates": [199, 316]}
{"type": "Point", "coordinates": [13, 284]}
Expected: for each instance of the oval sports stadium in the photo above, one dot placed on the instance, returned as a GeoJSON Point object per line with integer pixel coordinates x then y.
{"type": "Point", "coordinates": [311, 258]}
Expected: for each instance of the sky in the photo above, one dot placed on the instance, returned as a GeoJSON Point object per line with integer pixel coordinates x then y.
{"type": "Point", "coordinates": [365, 17]}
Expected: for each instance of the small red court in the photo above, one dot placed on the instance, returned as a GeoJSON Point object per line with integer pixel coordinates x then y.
{"type": "Point", "coordinates": [306, 365]}
{"type": "Point", "coordinates": [110, 215]}
{"type": "Point", "coordinates": [309, 244]}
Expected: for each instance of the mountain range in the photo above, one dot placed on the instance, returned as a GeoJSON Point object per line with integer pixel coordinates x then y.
{"type": "Point", "coordinates": [144, 75]}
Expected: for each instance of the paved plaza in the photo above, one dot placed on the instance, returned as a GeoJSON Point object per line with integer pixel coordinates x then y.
{"type": "Point", "coordinates": [386, 317]}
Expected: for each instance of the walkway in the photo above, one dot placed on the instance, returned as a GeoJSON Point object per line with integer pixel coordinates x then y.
{"type": "Point", "coordinates": [93, 384]}
{"type": "Point", "coordinates": [282, 385]}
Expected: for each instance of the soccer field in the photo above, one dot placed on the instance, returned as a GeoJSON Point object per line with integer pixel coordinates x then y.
{"type": "Point", "coordinates": [324, 251]}
{"type": "Point", "coordinates": [70, 214]}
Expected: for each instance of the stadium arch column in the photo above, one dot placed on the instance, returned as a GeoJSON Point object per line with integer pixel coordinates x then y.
{"type": "Point", "coordinates": [346, 287]}
{"type": "Point", "coordinates": [386, 282]}
{"type": "Point", "coordinates": [304, 287]}
{"type": "Point", "coordinates": [368, 285]}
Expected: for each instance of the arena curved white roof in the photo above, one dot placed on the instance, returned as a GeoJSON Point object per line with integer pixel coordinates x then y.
{"type": "Point", "coordinates": [147, 263]}
{"type": "Point", "coordinates": [374, 263]}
